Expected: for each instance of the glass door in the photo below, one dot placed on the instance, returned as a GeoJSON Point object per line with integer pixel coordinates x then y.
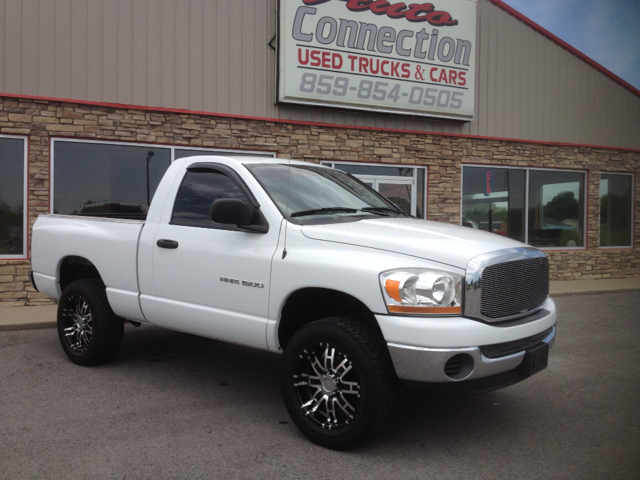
{"type": "Point", "coordinates": [403, 185]}
{"type": "Point", "coordinates": [399, 191]}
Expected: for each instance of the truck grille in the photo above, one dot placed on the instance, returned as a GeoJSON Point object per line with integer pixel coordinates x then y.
{"type": "Point", "coordinates": [514, 288]}
{"type": "Point", "coordinates": [506, 284]}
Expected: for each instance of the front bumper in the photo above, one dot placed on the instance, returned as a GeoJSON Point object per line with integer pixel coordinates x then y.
{"type": "Point", "coordinates": [422, 348]}
{"type": "Point", "coordinates": [443, 365]}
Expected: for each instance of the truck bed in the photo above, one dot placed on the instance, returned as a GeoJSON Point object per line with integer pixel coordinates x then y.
{"type": "Point", "coordinates": [110, 244]}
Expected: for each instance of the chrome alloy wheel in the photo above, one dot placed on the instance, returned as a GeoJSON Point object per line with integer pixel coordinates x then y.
{"type": "Point", "coordinates": [327, 387]}
{"type": "Point", "coordinates": [78, 324]}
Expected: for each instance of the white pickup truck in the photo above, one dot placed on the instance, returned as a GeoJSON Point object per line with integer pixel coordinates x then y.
{"type": "Point", "coordinates": [307, 261]}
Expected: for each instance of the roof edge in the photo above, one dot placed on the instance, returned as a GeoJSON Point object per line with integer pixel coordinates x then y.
{"type": "Point", "coordinates": [184, 111]}
{"type": "Point", "coordinates": [589, 61]}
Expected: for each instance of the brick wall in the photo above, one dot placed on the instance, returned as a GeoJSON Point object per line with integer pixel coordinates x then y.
{"type": "Point", "coordinates": [42, 119]}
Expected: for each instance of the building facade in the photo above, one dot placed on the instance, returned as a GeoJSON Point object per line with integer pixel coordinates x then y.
{"type": "Point", "coordinates": [99, 97]}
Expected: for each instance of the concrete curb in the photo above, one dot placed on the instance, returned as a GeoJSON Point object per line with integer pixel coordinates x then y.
{"type": "Point", "coordinates": [592, 292]}
{"type": "Point", "coordinates": [30, 318]}
{"type": "Point", "coordinates": [591, 287]}
{"type": "Point", "coordinates": [26, 326]}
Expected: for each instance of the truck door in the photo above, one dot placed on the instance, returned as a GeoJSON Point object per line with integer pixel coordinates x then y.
{"type": "Point", "coordinates": [212, 279]}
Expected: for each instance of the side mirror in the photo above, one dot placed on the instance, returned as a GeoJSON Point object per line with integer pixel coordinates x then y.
{"type": "Point", "coordinates": [232, 211]}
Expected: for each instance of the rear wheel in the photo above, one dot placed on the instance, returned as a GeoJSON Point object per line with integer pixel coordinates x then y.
{"type": "Point", "coordinates": [339, 385]}
{"type": "Point", "coordinates": [89, 331]}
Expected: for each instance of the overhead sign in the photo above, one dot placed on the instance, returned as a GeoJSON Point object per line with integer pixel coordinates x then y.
{"type": "Point", "coordinates": [379, 55]}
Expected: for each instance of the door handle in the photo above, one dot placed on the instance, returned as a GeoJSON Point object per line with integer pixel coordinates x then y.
{"type": "Point", "coordinates": [171, 244]}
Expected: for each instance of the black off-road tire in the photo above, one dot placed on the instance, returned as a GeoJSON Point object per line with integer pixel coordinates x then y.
{"type": "Point", "coordinates": [339, 384]}
{"type": "Point", "coordinates": [89, 331]}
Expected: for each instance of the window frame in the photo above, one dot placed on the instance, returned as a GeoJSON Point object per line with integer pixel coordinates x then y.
{"type": "Point", "coordinates": [632, 219]}
{"type": "Point", "coordinates": [585, 207]}
{"type": "Point", "coordinates": [222, 170]}
{"type": "Point", "coordinates": [25, 200]}
{"type": "Point", "coordinates": [171, 147]}
{"type": "Point", "coordinates": [393, 179]}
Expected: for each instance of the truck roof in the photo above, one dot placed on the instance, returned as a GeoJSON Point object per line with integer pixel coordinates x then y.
{"type": "Point", "coordinates": [246, 159]}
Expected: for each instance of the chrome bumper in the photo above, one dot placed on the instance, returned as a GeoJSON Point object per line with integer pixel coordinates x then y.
{"type": "Point", "coordinates": [427, 365]}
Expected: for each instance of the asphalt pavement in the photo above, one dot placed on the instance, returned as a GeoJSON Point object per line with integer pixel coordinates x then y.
{"type": "Point", "coordinates": [177, 406]}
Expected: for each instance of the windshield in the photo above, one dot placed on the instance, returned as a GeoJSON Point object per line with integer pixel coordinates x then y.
{"type": "Point", "coordinates": [309, 194]}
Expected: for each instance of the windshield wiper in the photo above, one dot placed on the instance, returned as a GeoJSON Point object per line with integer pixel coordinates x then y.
{"type": "Point", "coordinates": [382, 210]}
{"type": "Point", "coordinates": [319, 211]}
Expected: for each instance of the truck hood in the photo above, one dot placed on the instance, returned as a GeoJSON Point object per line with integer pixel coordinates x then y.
{"type": "Point", "coordinates": [439, 242]}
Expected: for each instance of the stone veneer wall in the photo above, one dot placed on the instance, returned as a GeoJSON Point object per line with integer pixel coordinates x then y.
{"type": "Point", "coordinates": [42, 119]}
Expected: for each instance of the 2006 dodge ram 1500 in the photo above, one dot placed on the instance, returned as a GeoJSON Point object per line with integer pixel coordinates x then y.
{"type": "Point", "coordinates": [305, 260]}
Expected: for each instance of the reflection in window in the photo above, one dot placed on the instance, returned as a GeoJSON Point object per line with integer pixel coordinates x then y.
{"type": "Point", "coordinates": [12, 196]}
{"type": "Point", "coordinates": [198, 191]}
{"type": "Point", "coordinates": [400, 194]}
{"type": "Point", "coordinates": [556, 209]}
{"type": "Point", "coordinates": [615, 210]}
{"type": "Point", "coordinates": [88, 174]}
{"type": "Point", "coordinates": [494, 200]}
{"type": "Point", "coordinates": [405, 186]}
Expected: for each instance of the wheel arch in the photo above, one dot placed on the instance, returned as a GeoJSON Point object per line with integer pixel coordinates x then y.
{"type": "Point", "coordinates": [309, 304]}
{"type": "Point", "coordinates": [74, 268]}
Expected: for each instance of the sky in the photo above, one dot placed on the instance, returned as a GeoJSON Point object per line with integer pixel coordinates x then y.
{"type": "Point", "coordinates": [607, 31]}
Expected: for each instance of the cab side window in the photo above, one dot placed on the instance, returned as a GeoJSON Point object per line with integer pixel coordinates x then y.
{"type": "Point", "coordinates": [198, 191]}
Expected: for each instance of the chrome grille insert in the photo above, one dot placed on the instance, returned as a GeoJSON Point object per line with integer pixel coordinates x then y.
{"type": "Point", "coordinates": [506, 284]}
{"type": "Point", "coordinates": [514, 288]}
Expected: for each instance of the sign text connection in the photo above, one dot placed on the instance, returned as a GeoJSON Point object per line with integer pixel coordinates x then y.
{"type": "Point", "coordinates": [374, 55]}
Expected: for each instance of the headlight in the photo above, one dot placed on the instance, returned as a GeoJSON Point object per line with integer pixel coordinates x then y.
{"type": "Point", "coordinates": [422, 291]}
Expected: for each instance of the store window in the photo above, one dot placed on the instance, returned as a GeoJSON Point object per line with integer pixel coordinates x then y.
{"type": "Point", "coordinates": [100, 177]}
{"type": "Point", "coordinates": [102, 174]}
{"type": "Point", "coordinates": [13, 196]}
{"type": "Point", "coordinates": [494, 200]}
{"type": "Point", "coordinates": [544, 208]}
{"type": "Point", "coordinates": [616, 207]}
{"type": "Point", "coordinates": [404, 186]}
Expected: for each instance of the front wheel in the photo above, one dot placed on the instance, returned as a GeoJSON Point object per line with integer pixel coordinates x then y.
{"type": "Point", "coordinates": [89, 331]}
{"type": "Point", "coordinates": [339, 385]}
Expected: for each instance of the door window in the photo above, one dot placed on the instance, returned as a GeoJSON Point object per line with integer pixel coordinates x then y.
{"type": "Point", "coordinates": [199, 189]}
